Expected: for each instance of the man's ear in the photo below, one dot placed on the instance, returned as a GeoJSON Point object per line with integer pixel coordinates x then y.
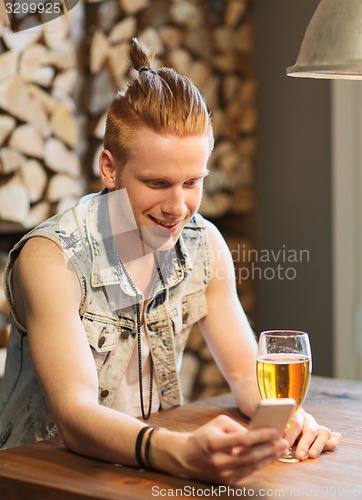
{"type": "Point", "coordinates": [107, 169]}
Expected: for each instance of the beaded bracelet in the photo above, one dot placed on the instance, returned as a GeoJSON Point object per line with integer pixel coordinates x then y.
{"type": "Point", "coordinates": [139, 445]}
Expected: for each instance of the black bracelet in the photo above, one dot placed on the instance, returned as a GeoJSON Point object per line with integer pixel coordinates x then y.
{"type": "Point", "coordinates": [148, 459]}
{"type": "Point", "coordinates": [139, 446]}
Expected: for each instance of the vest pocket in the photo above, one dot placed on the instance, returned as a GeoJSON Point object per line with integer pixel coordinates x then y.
{"type": "Point", "coordinates": [193, 308]}
{"type": "Point", "coordinates": [189, 312]}
{"type": "Point", "coordinates": [101, 335]}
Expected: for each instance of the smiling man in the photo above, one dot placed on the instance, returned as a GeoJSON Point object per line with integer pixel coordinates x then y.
{"type": "Point", "coordinates": [103, 298]}
{"type": "Point", "coordinates": [163, 179]}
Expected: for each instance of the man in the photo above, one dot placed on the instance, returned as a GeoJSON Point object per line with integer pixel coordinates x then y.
{"type": "Point", "coordinates": [104, 296]}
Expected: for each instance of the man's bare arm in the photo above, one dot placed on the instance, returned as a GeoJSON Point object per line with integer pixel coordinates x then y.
{"type": "Point", "coordinates": [227, 329]}
{"type": "Point", "coordinates": [50, 292]}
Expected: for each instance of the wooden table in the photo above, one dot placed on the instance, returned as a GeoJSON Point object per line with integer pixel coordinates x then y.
{"type": "Point", "coordinates": [48, 471]}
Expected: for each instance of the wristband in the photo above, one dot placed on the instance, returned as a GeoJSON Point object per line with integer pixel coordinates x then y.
{"type": "Point", "coordinates": [148, 450]}
{"type": "Point", "coordinates": [139, 446]}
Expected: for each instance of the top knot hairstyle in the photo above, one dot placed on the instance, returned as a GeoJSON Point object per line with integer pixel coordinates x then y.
{"type": "Point", "coordinates": [161, 100]}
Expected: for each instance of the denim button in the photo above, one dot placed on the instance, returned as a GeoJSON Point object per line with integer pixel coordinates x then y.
{"type": "Point", "coordinates": [101, 341]}
{"type": "Point", "coordinates": [124, 335]}
{"type": "Point", "coordinates": [104, 393]}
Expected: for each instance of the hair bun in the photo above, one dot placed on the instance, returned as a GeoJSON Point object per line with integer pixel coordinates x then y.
{"type": "Point", "coordinates": [145, 68]}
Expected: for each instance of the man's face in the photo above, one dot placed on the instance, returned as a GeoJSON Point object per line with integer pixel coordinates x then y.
{"type": "Point", "coordinates": [164, 180]}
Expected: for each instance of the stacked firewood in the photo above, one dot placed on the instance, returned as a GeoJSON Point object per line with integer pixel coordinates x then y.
{"type": "Point", "coordinates": [39, 163]}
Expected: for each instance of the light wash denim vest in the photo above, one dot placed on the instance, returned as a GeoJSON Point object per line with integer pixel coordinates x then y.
{"type": "Point", "coordinates": [108, 313]}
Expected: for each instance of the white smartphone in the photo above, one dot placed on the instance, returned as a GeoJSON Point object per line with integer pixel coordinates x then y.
{"type": "Point", "coordinates": [273, 413]}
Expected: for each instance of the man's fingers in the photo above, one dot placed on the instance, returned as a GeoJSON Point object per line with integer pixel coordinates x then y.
{"type": "Point", "coordinates": [333, 441]}
{"type": "Point", "coordinates": [228, 434]}
{"type": "Point", "coordinates": [243, 441]}
{"type": "Point", "coordinates": [325, 441]}
{"type": "Point", "coordinates": [312, 443]}
{"type": "Point", "coordinates": [295, 428]}
{"type": "Point", "coordinates": [254, 456]}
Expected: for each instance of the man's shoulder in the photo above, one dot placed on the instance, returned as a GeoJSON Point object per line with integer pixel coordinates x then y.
{"type": "Point", "coordinates": [57, 232]}
{"type": "Point", "coordinates": [66, 222]}
{"type": "Point", "coordinates": [39, 244]}
{"type": "Point", "coordinates": [38, 255]}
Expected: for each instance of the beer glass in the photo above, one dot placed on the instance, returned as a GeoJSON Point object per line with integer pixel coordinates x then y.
{"type": "Point", "coordinates": [284, 367]}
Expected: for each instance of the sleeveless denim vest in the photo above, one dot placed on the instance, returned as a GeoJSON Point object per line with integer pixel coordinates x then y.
{"type": "Point", "coordinates": [108, 314]}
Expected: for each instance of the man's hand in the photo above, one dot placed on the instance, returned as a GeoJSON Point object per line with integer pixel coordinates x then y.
{"type": "Point", "coordinates": [313, 438]}
{"type": "Point", "coordinates": [223, 451]}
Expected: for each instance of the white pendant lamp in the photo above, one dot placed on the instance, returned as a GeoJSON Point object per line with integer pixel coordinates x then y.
{"type": "Point", "coordinates": [332, 44]}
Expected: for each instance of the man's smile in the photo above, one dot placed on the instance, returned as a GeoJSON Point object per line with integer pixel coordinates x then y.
{"type": "Point", "coordinates": [166, 224]}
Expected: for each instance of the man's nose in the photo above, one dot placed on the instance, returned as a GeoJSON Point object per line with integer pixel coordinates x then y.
{"type": "Point", "coordinates": [174, 202]}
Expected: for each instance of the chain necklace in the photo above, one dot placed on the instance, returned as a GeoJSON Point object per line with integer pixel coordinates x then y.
{"type": "Point", "coordinates": [144, 416]}
{"type": "Point", "coordinates": [139, 349]}
{"type": "Point", "coordinates": [138, 310]}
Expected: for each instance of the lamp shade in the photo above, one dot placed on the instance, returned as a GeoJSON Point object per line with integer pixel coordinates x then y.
{"type": "Point", "coordinates": [332, 44]}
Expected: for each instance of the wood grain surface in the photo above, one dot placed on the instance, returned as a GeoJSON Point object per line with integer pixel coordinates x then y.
{"type": "Point", "coordinates": [47, 470]}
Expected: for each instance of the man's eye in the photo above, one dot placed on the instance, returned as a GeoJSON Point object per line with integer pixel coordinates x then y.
{"type": "Point", "coordinates": [156, 185]}
{"type": "Point", "coordinates": [193, 182]}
